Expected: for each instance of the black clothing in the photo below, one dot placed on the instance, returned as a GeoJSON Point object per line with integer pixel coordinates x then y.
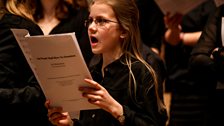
{"type": "Point", "coordinates": [116, 81]}
{"type": "Point", "coordinates": [21, 98]}
{"type": "Point", "coordinates": [152, 59]}
{"type": "Point", "coordinates": [208, 72]}
{"type": "Point", "coordinates": [188, 101]}
{"type": "Point", "coordinates": [151, 23]}
{"type": "Point", "coordinates": [209, 40]}
{"type": "Point", "coordinates": [157, 64]}
{"type": "Point", "coordinates": [177, 57]}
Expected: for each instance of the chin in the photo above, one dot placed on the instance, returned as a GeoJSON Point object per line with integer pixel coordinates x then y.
{"type": "Point", "coordinates": [96, 51]}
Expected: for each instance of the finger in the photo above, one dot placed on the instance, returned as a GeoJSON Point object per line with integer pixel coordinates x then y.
{"type": "Point", "coordinates": [54, 110]}
{"type": "Point", "coordinates": [178, 18]}
{"type": "Point", "coordinates": [87, 89]}
{"type": "Point", "coordinates": [56, 118]}
{"type": "Point", "coordinates": [47, 104]}
{"type": "Point", "coordinates": [95, 102]}
{"type": "Point", "coordinates": [92, 96]}
{"type": "Point", "coordinates": [93, 83]}
{"type": "Point", "coordinates": [55, 115]}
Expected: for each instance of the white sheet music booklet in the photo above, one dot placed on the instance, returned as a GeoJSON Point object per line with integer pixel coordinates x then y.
{"type": "Point", "coordinates": [58, 65]}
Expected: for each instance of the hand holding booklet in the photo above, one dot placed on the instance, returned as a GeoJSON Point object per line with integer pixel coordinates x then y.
{"type": "Point", "coordinates": [58, 65]}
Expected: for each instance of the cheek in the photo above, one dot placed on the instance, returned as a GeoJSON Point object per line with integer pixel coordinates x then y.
{"type": "Point", "coordinates": [109, 37]}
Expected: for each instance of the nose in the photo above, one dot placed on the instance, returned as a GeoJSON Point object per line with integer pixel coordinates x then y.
{"type": "Point", "coordinates": [93, 23]}
{"type": "Point", "coordinates": [92, 27]}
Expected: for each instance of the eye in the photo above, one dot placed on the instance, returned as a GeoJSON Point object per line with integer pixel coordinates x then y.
{"type": "Point", "coordinates": [101, 21]}
{"type": "Point", "coordinates": [88, 22]}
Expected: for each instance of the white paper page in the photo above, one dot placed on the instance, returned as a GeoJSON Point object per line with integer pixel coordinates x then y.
{"type": "Point", "coordinates": [222, 31]}
{"type": "Point", "coordinates": [59, 67]}
{"type": "Point", "coordinates": [178, 6]}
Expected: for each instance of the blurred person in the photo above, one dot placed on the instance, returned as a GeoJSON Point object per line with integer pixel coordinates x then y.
{"type": "Point", "coordinates": [21, 98]}
{"type": "Point", "coordinates": [207, 65]}
{"type": "Point", "coordinates": [152, 18]}
{"type": "Point", "coordinates": [152, 29]}
{"type": "Point", "coordinates": [151, 24]}
{"type": "Point", "coordinates": [60, 16]}
{"type": "Point", "coordinates": [83, 3]}
{"type": "Point", "coordinates": [187, 107]}
{"type": "Point", "coordinates": [124, 86]}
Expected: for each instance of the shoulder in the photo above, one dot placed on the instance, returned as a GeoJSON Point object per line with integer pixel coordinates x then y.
{"type": "Point", "coordinates": [10, 20]}
{"type": "Point", "coordinates": [141, 71]}
{"type": "Point", "coordinates": [2, 13]}
{"type": "Point", "coordinates": [14, 21]}
{"type": "Point", "coordinates": [138, 65]}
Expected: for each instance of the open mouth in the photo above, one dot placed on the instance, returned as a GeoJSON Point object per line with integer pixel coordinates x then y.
{"type": "Point", "coordinates": [94, 39]}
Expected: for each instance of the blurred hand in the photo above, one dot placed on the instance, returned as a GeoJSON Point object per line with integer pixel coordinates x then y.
{"type": "Point", "coordinates": [57, 116]}
{"type": "Point", "coordinates": [172, 22]}
{"type": "Point", "coordinates": [173, 35]}
{"type": "Point", "coordinates": [218, 55]}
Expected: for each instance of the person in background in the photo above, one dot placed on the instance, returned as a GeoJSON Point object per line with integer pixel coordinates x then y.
{"type": "Point", "coordinates": [188, 102]}
{"type": "Point", "coordinates": [124, 86]}
{"type": "Point", "coordinates": [207, 65]}
{"type": "Point", "coordinates": [21, 98]}
{"type": "Point", "coordinates": [79, 3]}
{"type": "Point", "coordinates": [151, 24]}
{"type": "Point", "coordinates": [61, 16]}
{"type": "Point", "coordinates": [83, 3]}
{"type": "Point", "coordinates": [152, 29]}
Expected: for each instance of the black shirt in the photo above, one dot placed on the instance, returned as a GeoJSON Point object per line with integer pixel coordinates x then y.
{"type": "Point", "coordinates": [116, 81]}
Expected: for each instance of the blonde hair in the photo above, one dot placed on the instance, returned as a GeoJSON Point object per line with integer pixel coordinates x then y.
{"type": "Point", "coordinates": [127, 15]}
{"type": "Point", "coordinates": [22, 8]}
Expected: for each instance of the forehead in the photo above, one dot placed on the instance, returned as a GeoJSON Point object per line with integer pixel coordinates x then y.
{"type": "Point", "coordinates": [101, 9]}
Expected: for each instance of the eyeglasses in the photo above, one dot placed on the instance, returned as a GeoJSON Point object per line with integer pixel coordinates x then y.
{"type": "Point", "coordinates": [99, 21]}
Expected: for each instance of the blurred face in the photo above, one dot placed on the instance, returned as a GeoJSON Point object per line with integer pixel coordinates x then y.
{"type": "Point", "coordinates": [103, 29]}
{"type": "Point", "coordinates": [47, 3]}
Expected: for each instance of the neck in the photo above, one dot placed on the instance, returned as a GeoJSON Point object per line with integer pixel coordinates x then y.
{"type": "Point", "coordinates": [49, 7]}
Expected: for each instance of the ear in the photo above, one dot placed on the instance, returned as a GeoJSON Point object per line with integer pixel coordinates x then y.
{"type": "Point", "coordinates": [123, 35]}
